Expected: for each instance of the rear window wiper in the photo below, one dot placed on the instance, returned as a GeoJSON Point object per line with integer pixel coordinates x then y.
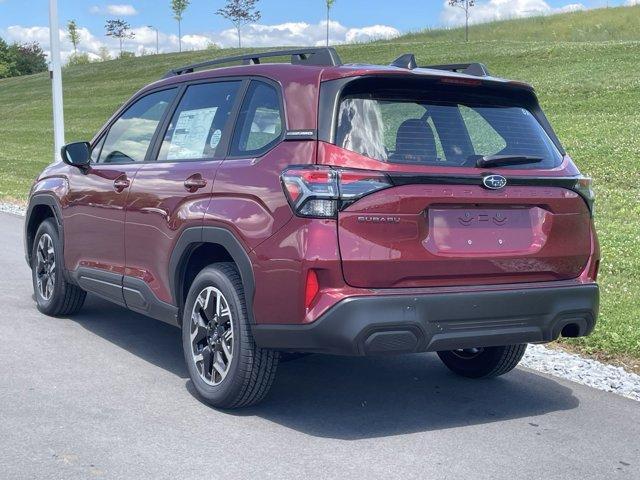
{"type": "Point", "coordinates": [504, 160]}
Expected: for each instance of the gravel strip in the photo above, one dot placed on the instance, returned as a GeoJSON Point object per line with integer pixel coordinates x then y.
{"type": "Point", "coordinates": [12, 208]}
{"type": "Point", "coordinates": [538, 357]}
{"type": "Point", "coordinates": [582, 370]}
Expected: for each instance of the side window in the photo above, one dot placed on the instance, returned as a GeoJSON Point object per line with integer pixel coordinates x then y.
{"type": "Point", "coordinates": [198, 123]}
{"type": "Point", "coordinates": [130, 136]}
{"type": "Point", "coordinates": [484, 138]}
{"type": "Point", "coordinates": [259, 126]}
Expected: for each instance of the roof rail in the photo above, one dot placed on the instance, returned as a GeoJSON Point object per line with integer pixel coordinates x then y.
{"type": "Point", "coordinates": [476, 69]}
{"type": "Point", "coordinates": [300, 56]}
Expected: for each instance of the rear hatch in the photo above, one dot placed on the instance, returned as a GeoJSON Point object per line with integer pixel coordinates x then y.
{"type": "Point", "coordinates": [452, 184]}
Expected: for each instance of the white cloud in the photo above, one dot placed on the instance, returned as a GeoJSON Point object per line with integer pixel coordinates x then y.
{"type": "Point", "coordinates": [631, 3]}
{"type": "Point", "coordinates": [118, 10]}
{"type": "Point", "coordinates": [295, 33]}
{"type": "Point", "coordinates": [301, 33]}
{"type": "Point", "coordinates": [489, 10]}
{"type": "Point", "coordinates": [368, 34]}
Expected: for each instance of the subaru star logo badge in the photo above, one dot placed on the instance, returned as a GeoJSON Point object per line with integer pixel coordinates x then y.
{"type": "Point", "coordinates": [494, 182]}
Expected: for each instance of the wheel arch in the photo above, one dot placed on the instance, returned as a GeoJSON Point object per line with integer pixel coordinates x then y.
{"type": "Point", "coordinates": [41, 206]}
{"type": "Point", "coordinates": [198, 247]}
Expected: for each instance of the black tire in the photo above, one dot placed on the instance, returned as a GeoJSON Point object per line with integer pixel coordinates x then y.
{"type": "Point", "coordinates": [487, 362]}
{"type": "Point", "coordinates": [292, 356]}
{"type": "Point", "coordinates": [251, 370]}
{"type": "Point", "coordinates": [65, 298]}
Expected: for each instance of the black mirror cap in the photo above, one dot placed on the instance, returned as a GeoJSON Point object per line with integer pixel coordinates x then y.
{"type": "Point", "coordinates": [77, 154]}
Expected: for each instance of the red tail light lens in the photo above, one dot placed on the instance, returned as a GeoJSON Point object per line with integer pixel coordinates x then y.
{"type": "Point", "coordinates": [312, 288]}
{"type": "Point", "coordinates": [320, 192]}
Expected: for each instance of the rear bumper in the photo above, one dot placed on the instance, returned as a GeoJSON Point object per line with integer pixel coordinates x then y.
{"type": "Point", "coordinates": [372, 325]}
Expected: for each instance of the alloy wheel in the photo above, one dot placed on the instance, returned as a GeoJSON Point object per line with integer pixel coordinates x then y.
{"type": "Point", "coordinates": [45, 266]}
{"type": "Point", "coordinates": [212, 336]}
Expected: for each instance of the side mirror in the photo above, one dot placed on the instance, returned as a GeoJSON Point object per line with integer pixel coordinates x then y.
{"type": "Point", "coordinates": [77, 154]}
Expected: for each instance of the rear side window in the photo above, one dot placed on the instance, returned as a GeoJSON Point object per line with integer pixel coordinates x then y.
{"type": "Point", "coordinates": [198, 124]}
{"type": "Point", "coordinates": [444, 133]}
{"type": "Point", "coordinates": [259, 126]}
{"type": "Point", "coordinates": [130, 136]}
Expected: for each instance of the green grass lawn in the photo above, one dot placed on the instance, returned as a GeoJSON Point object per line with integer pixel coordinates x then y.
{"type": "Point", "coordinates": [589, 86]}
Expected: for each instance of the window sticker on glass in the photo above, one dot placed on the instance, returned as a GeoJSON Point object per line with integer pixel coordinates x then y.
{"type": "Point", "coordinates": [190, 134]}
{"type": "Point", "coordinates": [215, 139]}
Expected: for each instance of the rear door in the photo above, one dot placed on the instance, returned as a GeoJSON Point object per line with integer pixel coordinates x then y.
{"type": "Point", "coordinates": [444, 221]}
{"type": "Point", "coordinates": [172, 191]}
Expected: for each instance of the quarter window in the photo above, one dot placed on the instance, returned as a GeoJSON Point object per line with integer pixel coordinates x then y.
{"type": "Point", "coordinates": [259, 122]}
{"type": "Point", "coordinates": [198, 124]}
{"type": "Point", "coordinates": [130, 136]}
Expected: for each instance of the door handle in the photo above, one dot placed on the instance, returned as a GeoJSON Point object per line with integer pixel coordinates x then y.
{"type": "Point", "coordinates": [195, 182]}
{"type": "Point", "coordinates": [120, 183]}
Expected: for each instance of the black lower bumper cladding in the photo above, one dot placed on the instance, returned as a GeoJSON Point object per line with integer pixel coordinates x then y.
{"type": "Point", "coordinates": [440, 321]}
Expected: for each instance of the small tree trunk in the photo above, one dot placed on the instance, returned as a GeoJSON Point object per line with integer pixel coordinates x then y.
{"type": "Point", "coordinates": [239, 37]}
{"type": "Point", "coordinates": [180, 35]}
{"type": "Point", "coordinates": [120, 47]}
{"type": "Point", "coordinates": [466, 24]}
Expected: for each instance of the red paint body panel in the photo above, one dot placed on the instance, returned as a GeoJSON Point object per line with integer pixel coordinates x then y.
{"type": "Point", "coordinates": [159, 208]}
{"type": "Point", "coordinates": [248, 198]}
{"type": "Point", "coordinates": [94, 215]}
{"type": "Point", "coordinates": [547, 234]}
{"type": "Point", "coordinates": [462, 235]}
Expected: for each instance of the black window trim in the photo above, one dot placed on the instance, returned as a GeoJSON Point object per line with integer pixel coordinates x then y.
{"type": "Point", "coordinates": [225, 141]}
{"type": "Point", "coordinates": [257, 154]}
{"type": "Point", "coordinates": [221, 152]}
{"type": "Point", "coordinates": [106, 128]}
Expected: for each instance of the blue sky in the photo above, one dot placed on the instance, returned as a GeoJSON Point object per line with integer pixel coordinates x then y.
{"type": "Point", "coordinates": [283, 21]}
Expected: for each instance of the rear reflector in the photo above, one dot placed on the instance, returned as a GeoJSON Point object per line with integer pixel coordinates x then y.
{"type": "Point", "coordinates": [312, 288]}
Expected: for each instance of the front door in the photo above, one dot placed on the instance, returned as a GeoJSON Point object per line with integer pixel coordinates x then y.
{"type": "Point", "coordinates": [95, 214]}
{"type": "Point", "coordinates": [172, 192]}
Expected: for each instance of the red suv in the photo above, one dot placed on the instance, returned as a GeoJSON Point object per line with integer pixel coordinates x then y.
{"type": "Point", "coordinates": [312, 206]}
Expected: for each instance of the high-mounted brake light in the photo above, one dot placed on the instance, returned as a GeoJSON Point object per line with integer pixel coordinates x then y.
{"type": "Point", "coordinates": [320, 191]}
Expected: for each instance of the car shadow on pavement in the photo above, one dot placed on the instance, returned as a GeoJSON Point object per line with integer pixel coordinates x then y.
{"type": "Point", "coordinates": [351, 397]}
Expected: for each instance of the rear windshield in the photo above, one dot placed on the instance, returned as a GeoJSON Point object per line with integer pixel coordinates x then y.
{"type": "Point", "coordinates": [442, 133]}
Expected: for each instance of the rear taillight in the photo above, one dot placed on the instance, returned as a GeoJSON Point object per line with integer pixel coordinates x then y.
{"type": "Point", "coordinates": [320, 192]}
{"type": "Point", "coordinates": [584, 186]}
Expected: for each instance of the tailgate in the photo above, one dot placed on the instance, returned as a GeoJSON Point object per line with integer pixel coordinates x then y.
{"type": "Point", "coordinates": [437, 235]}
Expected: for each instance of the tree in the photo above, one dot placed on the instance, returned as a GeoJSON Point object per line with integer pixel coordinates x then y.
{"type": "Point", "coordinates": [104, 54]}
{"type": "Point", "coordinates": [21, 59]}
{"type": "Point", "coordinates": [78, 59]}
{"type": "Point", "coordinates": [29, 58]}
{"type": "Point", "coordinates": [466, 6]}
{"type": "Point", "coordinates": [240, 12]}
{"type": "Point", "coordinates": [119, 29]}
{"type": "Point", "coordinates": [74, 35]}
{"type": "Point", "coordinates": [329, 7]}
{"type": "Point", "coordinates": [179, 7]}
{"type": "Point", "coordinates": [7, 63]}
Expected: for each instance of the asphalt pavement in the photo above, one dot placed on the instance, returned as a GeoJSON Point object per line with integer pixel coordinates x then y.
{"type": "Point", "coordinates": [105, 394]}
